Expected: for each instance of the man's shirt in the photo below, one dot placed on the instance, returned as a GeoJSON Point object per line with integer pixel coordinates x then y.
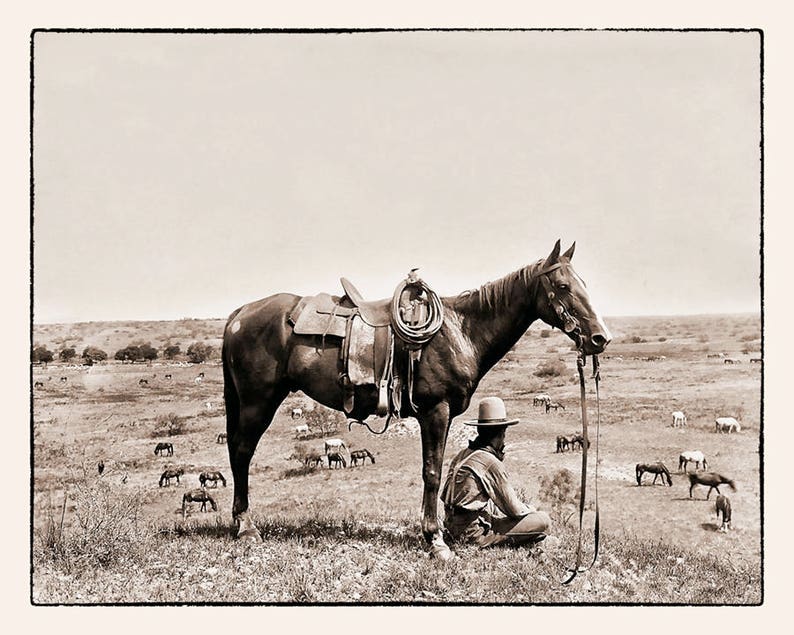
{"type": "Point", "coordinates": [478, 481]}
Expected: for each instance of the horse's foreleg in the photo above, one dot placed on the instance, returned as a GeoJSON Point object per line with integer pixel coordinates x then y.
{"type": "Point", "coordinates": [434, 426]}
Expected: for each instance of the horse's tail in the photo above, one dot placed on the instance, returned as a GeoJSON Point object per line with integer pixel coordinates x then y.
{"type": "Point", "coordinates": [230, 397]}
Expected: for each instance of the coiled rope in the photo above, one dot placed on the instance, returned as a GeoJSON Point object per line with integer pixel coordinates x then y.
{"type": "Point", "coordinates": [417, 335]}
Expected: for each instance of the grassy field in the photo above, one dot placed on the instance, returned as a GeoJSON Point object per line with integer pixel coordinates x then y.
{"type": "Point", "coordinates": [353, 535]}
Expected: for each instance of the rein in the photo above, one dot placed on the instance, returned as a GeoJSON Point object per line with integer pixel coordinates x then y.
{"type": "Point", "coordinates": [578, 568]}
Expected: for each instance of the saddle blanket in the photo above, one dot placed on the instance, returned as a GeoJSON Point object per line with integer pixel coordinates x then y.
{"type": "Point", "coordinates": [319, 315]}
{"type": "Point", "coordinates": [361, 361]}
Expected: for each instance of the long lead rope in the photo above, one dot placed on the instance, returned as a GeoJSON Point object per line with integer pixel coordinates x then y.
{"type": "Point", "coordinates": [578, 568]}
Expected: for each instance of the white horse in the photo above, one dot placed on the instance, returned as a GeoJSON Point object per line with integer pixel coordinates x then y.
{"type": "Point", "coordinates": [301, 432]}
{"type": "Point", "coordinates": [679, 419]}
{"type": "Point", "coordinates": [297, 413]}
{"type": "Point", "coordinates": [727, 424]}
{"type": "Point", "coordinates": [692, 456]}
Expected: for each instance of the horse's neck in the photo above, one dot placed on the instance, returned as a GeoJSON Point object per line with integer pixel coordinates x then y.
{"type": "Point", "coordinates": [493, 328]}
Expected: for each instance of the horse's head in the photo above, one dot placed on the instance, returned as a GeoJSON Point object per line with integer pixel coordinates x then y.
{"type": "Point", "coordinates": [565, 303]}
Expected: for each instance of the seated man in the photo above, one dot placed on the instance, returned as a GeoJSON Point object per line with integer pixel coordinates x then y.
{"type": "Point", "coordinates": [480, 504]}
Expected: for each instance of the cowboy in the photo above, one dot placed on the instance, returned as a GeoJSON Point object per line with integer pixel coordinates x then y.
{"type": "Point", "coordinates": [480, 504]}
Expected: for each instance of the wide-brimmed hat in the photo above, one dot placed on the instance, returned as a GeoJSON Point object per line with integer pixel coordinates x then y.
{"type": "Point", "coordinates": [492, 413]}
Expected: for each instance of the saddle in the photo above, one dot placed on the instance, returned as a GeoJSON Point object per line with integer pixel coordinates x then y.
{"type": "Point", "coordinates": [367, 350]}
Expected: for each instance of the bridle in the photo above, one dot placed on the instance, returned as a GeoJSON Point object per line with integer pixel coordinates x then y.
{"type": "Point", "coordinates": [572, 327]}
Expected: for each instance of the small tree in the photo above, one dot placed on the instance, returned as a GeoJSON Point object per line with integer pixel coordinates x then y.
{"type": "Point", "coordinates": [94, 354]}
{"type": "Point", "coordinates": [40, 354]}
{"type": "Point", "coordinates": [198, 352]}
{"type": "Point", "coordinates": [148, 352]}
{"type": "Point", "coordinates": [171, 351]}
{"type": "Point", "coordinates": [324, 420]}
{"type": "Point", "coordinates": [67, 354]}
{"type": "Point", "coordinates": [551, 368]}
{"type": "Point", "coordinates": [129, 353]}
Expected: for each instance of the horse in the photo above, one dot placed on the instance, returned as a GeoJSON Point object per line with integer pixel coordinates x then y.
{"type": "Point", "coordinates": [143, 382]}
{"type": "Point", "coordinates": [540, 399]}
{"type": "Point", "coordinates": [38, 384]}
{"type": "Point", "coordinates": [553, 404]}
{"type": "Point", "coordinates": [723, 506]}
{"type": "Point", "coordinates": [711, 479]}
{"type": "Point", "coordinates": [657, 469]}
{"type": "Point", "coordinates": [168, 376]}
{"type": "Point", "coordinates": [577, 439]}
{"type": "Point", "coordinates": [163, 448]}
{"type": "Point", "coordinates": [313, 459]}
{"type": "Point", "coordinates": [693, 456]}
{"type": "Point", "coordinates": [199, 495]}
{"type": "Point", "coordinates": [756, 360]}
{"type": "Point", "coordinates": [361, 455]}
{"type": "Point", "coordinates": [301, 432]}
{"type": "Point", "coordinates": [211, 476]}
{"type": "Point", "coordinates": [563, 443]}
{"type": "Point", "coordinates": [335, 458]}
{"type": "Point", "coordinates": [731, 360]}
{"type": "Point", "coordinates": [727, 424]}
{"type": "Point", "coordinates": [167, 475]}
{"type": "Point", "coordinates": [679, 419]}
{"type": "Point", "coordinates": [264, 360]}
{"type": "Point", "coordinates": [100, 467]}
{"type": "Point", "coordinates": [334, 445]}
{"type": "Point", "coordinates": [222, 436]}
{"type": "Point", "coordinates": [64, 380]}
{"type": "Point", "coordinates": [296, 413]}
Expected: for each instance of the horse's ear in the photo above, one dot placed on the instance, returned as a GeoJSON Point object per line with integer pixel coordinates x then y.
{"type": "Point", "coordinates": [569, 254]}
{"type": "Point", "coordinates": [554, 256]}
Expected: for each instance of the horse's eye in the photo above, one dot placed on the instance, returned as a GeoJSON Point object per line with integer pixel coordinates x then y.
{"type": "Point", "coordinates": [562, 286]}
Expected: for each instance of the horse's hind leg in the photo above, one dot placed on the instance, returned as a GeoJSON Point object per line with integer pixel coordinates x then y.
{"type": "Point", "coordinates": [243, 437]}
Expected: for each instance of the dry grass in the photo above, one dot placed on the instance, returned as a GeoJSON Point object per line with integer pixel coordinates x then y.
{"type": "Point", "coordinates": [353, 535]}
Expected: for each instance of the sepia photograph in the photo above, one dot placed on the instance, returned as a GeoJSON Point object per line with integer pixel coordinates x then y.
{"type": "Point", "coordinates": [397, 316]}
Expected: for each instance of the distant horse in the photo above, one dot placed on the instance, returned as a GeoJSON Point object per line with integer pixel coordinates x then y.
{"type": "Point", "coordinates": [679, 419]}
{"type": "Point", "coordinates": [100, 467]}
{"type": "Point", "coordinates": [264, 360]}
{"type": "Point", "coordinates": [553, 404]}
{"type": "Point", "coordinates": [360, 455]}
{"type": "Point", "coordinates": [577, 439]}
{"type": "Point", "coordinates": [38, 384]}
{"type": "Point", "coordinates": [197, 496]}
{"type": "Point", "coordinates": [313, 459]}
{"type": "Point", "coordinates": [204, 477]}
{"type": "Point", "coordinates": [301, 432]}
{"type": "Point", "coordinates": [693, 456]}
{"type": "Point", "coordinates": [168, 376]}
{"type": "Point", "coordinates": [334, 445]}
{"type": "Point", "coordinates": [563, 443]}
{"type": "Point", "coordinates": [222, 436]}
{"type": "Point", "coordinates": [723, 506]}
{"type": "Point", "coordinates": [756, 360]}
{"type": "Point", "coordinates": [540, 399]}
{"type": "Point", "coordinates": [164, 449]}
{"type": "Point", "coordinates": [167, 475]}
{"type": "Point", "coordinates": [335, 458]}
{"type": "Point", "coordinates": [710, 479]}
{"type": "Point", "coordinates": [727, 424]}
{"type": "Point", "coordinates": [657, 469]}
{"type": "Point", "coordinates": [64, 380]}
{"type": "Point", "coordinates": [143, 382]}
{"type": "Point", "coordinates": [731, 360]}
{"type": "Point", "coordinates": [296, 413]}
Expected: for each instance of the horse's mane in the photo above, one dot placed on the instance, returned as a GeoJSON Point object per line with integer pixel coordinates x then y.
{"type": "Point", "coordinates": [496, 294]}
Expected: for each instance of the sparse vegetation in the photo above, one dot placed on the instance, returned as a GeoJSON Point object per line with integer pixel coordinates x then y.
{"type": "Point", "coordinates": [169, 425]}
{"type": "Point", "coordinates": [551, 368]}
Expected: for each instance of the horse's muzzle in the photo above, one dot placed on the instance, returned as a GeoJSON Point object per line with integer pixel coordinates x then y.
{"type": "Point", "coordinates": [596, 343]}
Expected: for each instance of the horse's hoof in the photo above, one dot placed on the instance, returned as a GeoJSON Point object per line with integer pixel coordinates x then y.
{"type": "Point", "coordinates": [441, 552]}
{"type": "Point", "coordinates": [250, 534]}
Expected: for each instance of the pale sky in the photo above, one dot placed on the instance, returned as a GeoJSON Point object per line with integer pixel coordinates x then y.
{"type": "Point", "coordinates": [182, 175]}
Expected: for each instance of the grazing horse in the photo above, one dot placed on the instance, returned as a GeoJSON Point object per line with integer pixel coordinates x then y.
{"type": "Point", "coordinates": [222, 436]}
{"type": "Point", "coordinates": [168, 376]}
{"type": "Point", "coordinates": [301, 432]}
{"type": "Point", "coordinates": [727, 424]}
{"type": "Point", "coordinates": [711, 479]}
{"type": "Point", "coordinates": [264, 360]}
{"type": "Point", "coordinates": [679, 419]}
{"type": "Point", "coordinates": [540, 399]}
{"type": "Point", "coordinates": [577, 439]}
{"type": "Point", "coordinates": [38, 384]}
{"type": "Point", "coordinates": [313, 459]}
{"type": "Point", "coordinates": [553, 404]}
{"type": "Point", "coordinates": [723, 506]}
{"type": "Point", "coordinates": [165, 478]}
{"type": "Point", "coordinates": [211, 476]}
{"type": "Point", "coordinates": [335, 458]}
{"type": "Point", "coordinates": [756, 360]}
{"type": "Point", "coordinates": [361, 455]}
{"type": "Point", "coordinates": [563, 443]}
{"type": "Point", "coordinates": [334, 445]}
{"type": "Point", "coordinates": [64, 380]}
{"type": "Point", "coordinates": [296, 413]}
{"type": "Point", "coordinates": [163, 448]}
{"type": "Point", "coordinates": [657, 469]}
{"type": "Point", "coordinates": [198, 496]}
{"type": "Point", "coordinates": [143, 382]}
{"type": "Point", "coordinates": [693, 456]}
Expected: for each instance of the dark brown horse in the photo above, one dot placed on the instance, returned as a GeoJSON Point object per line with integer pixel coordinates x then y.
{"type": "Point", "coordinates": [712, 480]}
{"type": "Point", "coordinates": [198, 496]}
{"type": "Point", "coordinates": [264, 360]}
{"type": "Point", "coordinates": [657, 469]}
